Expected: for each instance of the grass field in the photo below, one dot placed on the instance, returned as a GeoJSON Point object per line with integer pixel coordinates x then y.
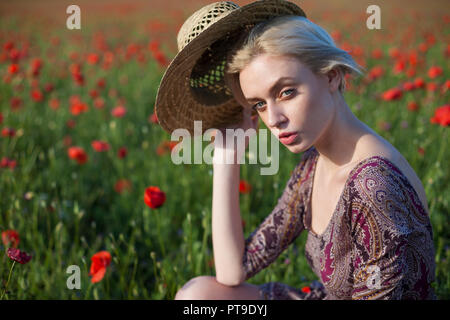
{"type": "Point", "coordinates": [95, 89]}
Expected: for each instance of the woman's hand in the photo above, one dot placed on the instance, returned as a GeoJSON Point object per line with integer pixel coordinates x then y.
{"type": "Point", "coordinates": [248, 121]}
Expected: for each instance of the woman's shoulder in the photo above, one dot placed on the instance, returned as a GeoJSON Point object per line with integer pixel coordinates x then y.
{"type": "Point", "coordinates": [388, 181]}
{"type": "Point", "coordinates": [380, 156]}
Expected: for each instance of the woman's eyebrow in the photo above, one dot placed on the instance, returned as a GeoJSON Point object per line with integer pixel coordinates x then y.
{"type": "Point", "coordinates": [272, 88]}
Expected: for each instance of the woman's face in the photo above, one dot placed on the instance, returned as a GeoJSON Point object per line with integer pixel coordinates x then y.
{"type": "Point", "coordinates": [289, 97]}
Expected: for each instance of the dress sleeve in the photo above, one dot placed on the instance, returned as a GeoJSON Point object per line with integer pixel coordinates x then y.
{"type": "Point", "coordinates": [279, 229]}
{"type": "Point", "coordinates": [393, 252]}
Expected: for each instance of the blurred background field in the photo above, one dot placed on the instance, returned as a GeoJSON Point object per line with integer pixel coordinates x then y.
{"type": "Point", "coordinates": [95, 89]}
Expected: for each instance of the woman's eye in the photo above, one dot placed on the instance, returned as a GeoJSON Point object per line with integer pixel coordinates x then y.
{"type": "Point", "coordinates": [289, 90]}
{"type": "Point", "coordinates": [255, 107]}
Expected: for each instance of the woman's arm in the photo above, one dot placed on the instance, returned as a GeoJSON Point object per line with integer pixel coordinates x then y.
{"type": "Point", "coordinates": [280, 228]}
{"type": "Point", "coordinates": [227, 233]}
{"type": "Point", "coordinates": [237, 259]}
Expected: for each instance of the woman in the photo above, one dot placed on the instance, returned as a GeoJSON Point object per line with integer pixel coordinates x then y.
{"type": "Point", "coordinates": [363, 206]}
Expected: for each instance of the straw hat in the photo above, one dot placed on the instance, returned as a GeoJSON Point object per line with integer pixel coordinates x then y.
{"type": "Point", "coordinates": [193, 86]}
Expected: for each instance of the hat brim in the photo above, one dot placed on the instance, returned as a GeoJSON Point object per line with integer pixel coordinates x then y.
{"type": "Point", "coordinates": [176, 106]}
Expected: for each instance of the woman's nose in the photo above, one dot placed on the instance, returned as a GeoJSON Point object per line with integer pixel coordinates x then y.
{"type": "Point", "coordinates": [275, 116]}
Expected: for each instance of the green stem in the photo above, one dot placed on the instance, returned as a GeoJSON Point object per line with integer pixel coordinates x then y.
{"type": "Point", "coordinates": [161, 242]}
{"type": "Point", "coordinates": [88, 291]}
{"type": "Point", "coordinates": [9, 278]}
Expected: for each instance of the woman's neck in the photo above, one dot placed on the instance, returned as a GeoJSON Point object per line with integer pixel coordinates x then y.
{"type": "Point", "coordinates": [337, 144]}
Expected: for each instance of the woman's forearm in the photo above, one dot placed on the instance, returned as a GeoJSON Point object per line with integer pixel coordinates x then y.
{"type": "Point", "coordinates": [227, 233]}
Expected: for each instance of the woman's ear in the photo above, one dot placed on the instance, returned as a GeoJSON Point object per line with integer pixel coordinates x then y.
{"type": "Point", "coordinates": [334, 78]}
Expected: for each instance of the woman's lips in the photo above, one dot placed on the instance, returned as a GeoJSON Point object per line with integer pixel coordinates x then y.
{"type": "Point", "coordinates": [289, 139]}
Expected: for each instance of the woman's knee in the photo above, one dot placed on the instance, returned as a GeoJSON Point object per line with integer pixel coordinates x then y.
{"type": "Point", "coordinates": [197, 288]}
{"type": "Point", "coordinates": [207, 288]}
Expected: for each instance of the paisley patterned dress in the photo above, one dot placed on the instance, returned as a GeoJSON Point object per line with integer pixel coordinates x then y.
{"type": "Point", "coordinates": [377, 245]}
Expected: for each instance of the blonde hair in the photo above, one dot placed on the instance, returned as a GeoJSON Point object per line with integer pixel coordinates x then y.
{"type": "Point", "coordinates": [289, 35]}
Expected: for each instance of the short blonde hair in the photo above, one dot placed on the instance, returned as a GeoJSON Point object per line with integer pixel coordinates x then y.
{"type": "Point", "coordinates": [290, 35]}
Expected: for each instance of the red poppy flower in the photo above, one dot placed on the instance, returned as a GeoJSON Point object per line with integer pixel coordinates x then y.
{"type": "Point", "coordinates": [306, 289]}
{"type": "Point", "coordinates": [13, 68]}
{"type": "Point", "coordinates": [100, 146]}
{"type": "Point", "coordinates": [75, 68]}
{"type": "Point", "coordinates": [160, 58]}
{"type": "Point", "coordinates": [244, 187]}
{"type": "Point", "coordinates": [392, 94]}
{"type": "Point", "coordinates": [15, 103]}
{"type": "Point", "coordinates": [99, 262]}
{"type": "Point", "coordinates": [411, 72]}
{"type": "Point", "coordinates": [376, 72]}
{"type": "Point", "coordinates": [14, 54]}
{"type": "Point", "coordinates": [36, 65]}
{"type": "Point", "coordinates": [399, 66]}
{"type": "Point", "coordinates": [122, 185]}
{"type": "Point", "coordinates": [154, 197]}
{"type": "Point", "coordinates": [37, 95]}
{"type": "Point", "coordinates": [413, 106]}
{"type": "Point", "coordinates": [78, 108]}
{"type": "Point", "coordinates": [394, 53]}
{"type": "Point", "coordinates": [71, 123]}
{"type": "Point", "coordinates": [4, 162]}
{"type": "Point", "coordinates": [119, 111]}
{"type": "Point", "coordinates": [430, 38]}
{"type": "Point", "coordinates": [12, 163]}
{"type": "Point", "coordinates": [99, 102]}
{"type": "Point", "coordinates": [78, 154]}
{"type": "Point", "coordinates": [78, 78]}
{"type": "Point", "coordinates": [432, 86]}
{"type": "Point", "coordinates": [92, 58]}
{"type": "Point", "coordinates": [54, 103]}
{"type": "Point", "coordinates": [434, 72]}
{"type": "Point", "coordinates": [413, 58]}
{"type": "Point", "coordinates": [19, 256]}
{"type": "Point", "coordinates": [74, 99]}
{"type": "Point", "coordinates": [153, 118]}
{"type": "Point", "coordinates": [442, 116]}
{"type": "Point", "coordinates": [445, 86]}
{"type": "Point", "coordinates": [122, 153]}
{"type": "Point", "coordinates": [165, 147]}
{"type": "Point", "coordinates": [93, 93]}
{"type": "Point", "coordinates": [423, 47]}
{"type": "Point", "coordinates": [8, 45]}
{"type": "Point", "coordinates": [419, 83]}
{"type": "Point", "coordinates": [409, 86]}
{"type": "Point", "coordinates": [8, 163]}
{"type": "Point", "coordinates": [10, 238]}
{"type": "Point", "coordinates": [101, 83]}
{"type": "Point", "coordinates": [8, 132]}
{"type": "Point", "coordinates": [377, 54]}
{"type": "Point", "coordinates": [153, 45]}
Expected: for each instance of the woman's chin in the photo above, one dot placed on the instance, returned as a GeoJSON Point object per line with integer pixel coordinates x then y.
{"type": "Point", "coordinates": [296, 148]}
